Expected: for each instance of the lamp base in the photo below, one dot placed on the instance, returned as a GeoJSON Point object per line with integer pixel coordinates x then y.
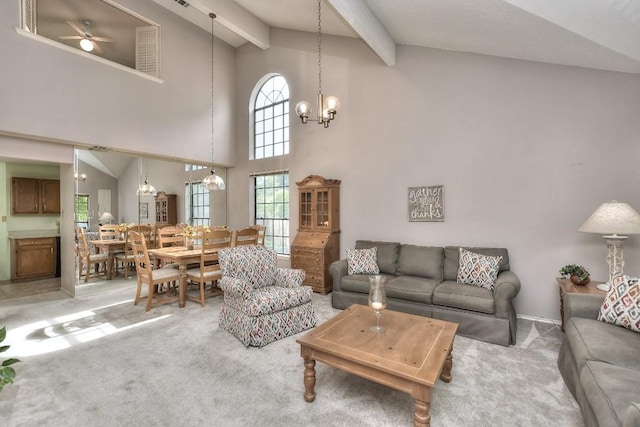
{"type": "Point", "coordinates": [603, 287]}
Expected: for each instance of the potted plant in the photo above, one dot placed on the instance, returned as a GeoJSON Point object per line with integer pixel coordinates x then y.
{"type": "Point", "coordinates": [577, 274]}
{"type": "Point", "coordinates": [7, 373]}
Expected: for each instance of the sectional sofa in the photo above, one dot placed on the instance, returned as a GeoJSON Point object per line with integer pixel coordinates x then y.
{"type": "Point", "coordinates": [423, 280]}
{"type": "Point", "coordinates": [600, 363]}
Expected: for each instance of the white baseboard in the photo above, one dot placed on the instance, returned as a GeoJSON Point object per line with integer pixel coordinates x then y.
{"type": "Point", "coordinates": [539, 319]}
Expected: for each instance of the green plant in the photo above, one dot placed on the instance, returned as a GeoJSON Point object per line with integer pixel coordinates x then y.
{"type": "Point", "coordinates": [7, 373]}
{"type": "Point", "coordinates": [575, 270]}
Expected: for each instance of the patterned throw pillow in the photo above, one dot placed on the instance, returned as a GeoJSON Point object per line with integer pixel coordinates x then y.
{"type": "Point", "coordinates": [478, 270]}
{"type": "Point", "coordinates": [621, 306]}
{"type": "Point", "coordinates": [363, 261]}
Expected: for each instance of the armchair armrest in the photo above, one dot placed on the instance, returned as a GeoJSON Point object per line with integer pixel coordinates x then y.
{"type": "Point", "coordinates": [338, 269]}
{"type": "Point", "coordinates": [582, 305]}
{"type": "Point", "coordinates": [289, 277]}
{"type": "Point", "coordinates": [235, 287]}
{"type": "Point", "coordinates": [506, 288]}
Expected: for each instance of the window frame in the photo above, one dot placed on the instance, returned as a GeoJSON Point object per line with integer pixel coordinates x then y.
{"type": "Point", "coordinates": [77, 223]}
{"type": "Point", "coordinates": [270, 121]}
{"type": "Point", "coordinates": [277, 235]}
{"type": "Point", "coordinates": [190, 207]}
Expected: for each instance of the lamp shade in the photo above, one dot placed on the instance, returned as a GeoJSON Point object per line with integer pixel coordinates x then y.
{"type": "Point", "coordinates": [106, 216]}
{"type": "Point", "coordinates": [613, 218]}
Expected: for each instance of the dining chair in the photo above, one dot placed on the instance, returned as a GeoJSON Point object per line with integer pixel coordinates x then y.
{"type": "Point", "coordinates": [246, 236]}
{"type": "Point", "coordinates": [154, 279]}
{"type": "Point", "coordinates": [86, 259]}
{"type": "Point", "coordinates": [209, 269]}
{"type": "Point", "coordinates": [170, 236]}
{"type": "Point", "coordinates": [126, 258]}
{"type": "Point", "coordinates": [262, 231]}
{"type": "Point", "coordinates": [108, 231]}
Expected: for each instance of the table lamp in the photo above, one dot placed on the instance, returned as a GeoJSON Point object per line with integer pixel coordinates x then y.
{"type": "Point", "coordinates": [106, 216]}
{"type": "Point", "coordinates": [612, 219]}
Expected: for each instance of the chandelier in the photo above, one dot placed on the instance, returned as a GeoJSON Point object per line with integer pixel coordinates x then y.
{"type": "Point", "coordinates": [326, 109]}
{"type": "Point", "coordinates": [146, 189]}
{"type": "Point", "coordinates": [212, 182]}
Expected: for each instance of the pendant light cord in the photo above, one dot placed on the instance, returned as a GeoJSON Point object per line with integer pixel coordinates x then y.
{"type": "Point", "coordinates": [319, 48]}
{"type": "Point", "coordinates": [212, 16]}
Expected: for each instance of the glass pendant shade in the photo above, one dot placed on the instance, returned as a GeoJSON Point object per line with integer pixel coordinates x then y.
{"type": "Point", "coordinates": [86, 44]}
{"type": "Point", "coordinates": [303, 109]}
{"type": "Point", "coordinates": [146, 189]}
{"type": "Point", "coordinates": [333, 104]}
{"type": "Point", "coordinates": [213, 182]}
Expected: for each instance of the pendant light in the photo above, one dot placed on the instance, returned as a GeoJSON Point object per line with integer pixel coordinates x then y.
{"type": "Point", "coordinates": [212, 182]}
{"type": "Point", "coordinates": [328, 108]}
{"type": "Point", "coordinates": [146, 189]}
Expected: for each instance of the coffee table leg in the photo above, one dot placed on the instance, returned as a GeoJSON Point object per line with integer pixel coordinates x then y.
{"type": "Point", "coordinates": [446, 370]}
{"type": "Point", "coordinates": [309, 379]}
{"type": "Point", "coordinates": [422, 417]}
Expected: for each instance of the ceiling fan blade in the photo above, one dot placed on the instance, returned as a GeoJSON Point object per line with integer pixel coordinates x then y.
{"type": "Point", "coordinates": [97, 48]}
{"type": "Point", "coordinates": [102, 39]}
{"type": "Point", "coordinates": [71, 37]}
{"type": "Point", "coordinates": [76, 28]}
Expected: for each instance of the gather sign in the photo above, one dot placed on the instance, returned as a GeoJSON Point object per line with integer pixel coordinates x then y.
{"type": "Point", "coordinates": [426, 203]}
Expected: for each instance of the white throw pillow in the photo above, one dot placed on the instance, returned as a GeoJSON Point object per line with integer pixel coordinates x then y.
{"type": "Point", "coordinates": [479, 270]}
{"type": "Point", "coordinates": [363, 261]}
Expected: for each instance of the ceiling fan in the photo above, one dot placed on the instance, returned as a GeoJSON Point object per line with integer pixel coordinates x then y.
{"type": "Point", "coordinates": [88, 41]}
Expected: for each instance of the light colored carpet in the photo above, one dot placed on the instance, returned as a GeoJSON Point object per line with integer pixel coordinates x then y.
{"type": "Point", "coordinates": [98, 360]}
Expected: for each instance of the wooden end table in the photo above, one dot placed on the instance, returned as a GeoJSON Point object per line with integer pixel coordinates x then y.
{"type": "Point", "coordinates": [409, 356]}
{"type": "Point", "coordinates": [568, 287]}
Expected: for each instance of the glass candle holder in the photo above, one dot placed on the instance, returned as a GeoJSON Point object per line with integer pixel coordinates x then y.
{"type": "Point", "coordinates": [377, 300]}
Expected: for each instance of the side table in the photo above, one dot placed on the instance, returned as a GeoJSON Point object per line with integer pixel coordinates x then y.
{"type": "Point", "coordinates": [567, 287]}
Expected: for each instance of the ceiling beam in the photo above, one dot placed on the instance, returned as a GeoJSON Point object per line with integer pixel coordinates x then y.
{"type": "Point", "coordinates": [236, 19]}
{"type": "Point", "coordinates": [363, 21]}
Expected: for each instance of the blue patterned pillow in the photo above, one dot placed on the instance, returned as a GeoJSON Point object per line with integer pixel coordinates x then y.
{"type": "Point", "coordinates": [621, 306]}
{"type": "Point", "coordinates": [363, 261]}
{"type": "Point", "coordinates": [479, 270]}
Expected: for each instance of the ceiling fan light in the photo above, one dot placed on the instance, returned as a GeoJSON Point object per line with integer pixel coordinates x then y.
{"type": "Point", "coordinates": [86, 45]}
{"type": "Point", "coordinates": [213, 182]}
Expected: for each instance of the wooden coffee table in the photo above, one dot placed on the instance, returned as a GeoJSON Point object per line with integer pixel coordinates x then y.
{"type": "Point", "coordinates": [410, 356]}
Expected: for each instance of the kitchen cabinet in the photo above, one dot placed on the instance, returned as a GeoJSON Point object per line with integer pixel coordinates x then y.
{"type": "Point", "coordinates": [35, 196]}
{"type": "Point", "coordinates": [34, 258]}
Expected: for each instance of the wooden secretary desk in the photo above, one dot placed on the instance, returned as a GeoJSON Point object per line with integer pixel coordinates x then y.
{"type": "Point", "coordinates": [317, 243]}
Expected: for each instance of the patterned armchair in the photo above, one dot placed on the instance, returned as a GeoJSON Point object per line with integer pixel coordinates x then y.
{"type": "Point", "coordinates": [262, 303]}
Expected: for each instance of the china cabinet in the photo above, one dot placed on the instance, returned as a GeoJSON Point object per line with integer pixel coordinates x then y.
{"type": "Point", "coordinates": [166, 209]}
{"type": "Point", "coordinates": [317, 243]}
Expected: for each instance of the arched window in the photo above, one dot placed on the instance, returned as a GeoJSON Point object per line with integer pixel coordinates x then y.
{"type": "Point", "coordinates": [271, 119]}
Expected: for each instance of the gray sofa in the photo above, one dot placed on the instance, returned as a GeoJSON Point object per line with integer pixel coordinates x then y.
{"type": "Point", "coordinates": [422, 280]}
{"type": "Point", "coordinates": [600, 364]}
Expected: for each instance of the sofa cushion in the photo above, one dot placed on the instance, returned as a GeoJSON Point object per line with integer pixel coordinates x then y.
{"type": "Point", "coordinates": [466, 297]}
{"type": "Point", "coordinates": [621, 306]}
{"type": "Point", "coordinates": [477, 269]}
{"type": "Point", "coordinates": [593, 340]}
{"type": "Point", "coordinates": [452, 259]}
{"type": "Point", "coordinates": [420, 261]}
{"type": "Point", "coordinates": [610, 390]}
{"type": "Point", "coordinates": [387, 253]}
{"type": "Point", "coordinates": [254, 264]}
{"type": "Point", "coordinates": [411, 288]}
{"type": "Point", "coordinates": [362, 261]}
{"type": "Point", "coordinates": [358, 283]}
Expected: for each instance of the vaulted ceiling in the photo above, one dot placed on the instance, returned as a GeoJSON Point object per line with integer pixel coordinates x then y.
{"type": "Point", "coordinates": [586, 33]}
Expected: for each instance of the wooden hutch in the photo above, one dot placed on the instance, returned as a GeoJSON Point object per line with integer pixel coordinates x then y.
{"type": "Point", "coordinates": [317, 243]}
{"type": "Point", "coordinates": [166, 209]}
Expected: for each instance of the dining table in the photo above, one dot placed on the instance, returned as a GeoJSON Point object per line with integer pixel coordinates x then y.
{"type": "Point", "coordinates": [111, 247]}
{"type": "Point", "coordinates": [182, 257]}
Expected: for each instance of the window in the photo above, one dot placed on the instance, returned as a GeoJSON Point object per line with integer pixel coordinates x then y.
{"type": "Point", "coordinates": [271, 119]}
{"type": "Point", "coordinates": [272, 209]}
{"type": "Point", "coordinates": [188, 168]}
{"type": "Point", "coordinates": [197, 198]}
{"type": "Point", "coordinates": [81, 210]}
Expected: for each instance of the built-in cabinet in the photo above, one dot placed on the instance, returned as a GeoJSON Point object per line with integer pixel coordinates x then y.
{"type": "Point", "coordinates": [35, 196]}
{"type": "Point", "coordinates": [34, 258]}
{"type": "Point", "coordinates": [317, 243]}
{"type": "Point", "coordinates": [166, 209]}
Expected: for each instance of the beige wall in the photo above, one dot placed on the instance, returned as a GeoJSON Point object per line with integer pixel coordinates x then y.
{"type": "Point", "coordinates": [526, 151]}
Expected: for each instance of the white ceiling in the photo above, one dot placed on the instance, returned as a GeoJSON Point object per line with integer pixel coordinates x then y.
{"type": "Point", "coordinates": [586, 33]}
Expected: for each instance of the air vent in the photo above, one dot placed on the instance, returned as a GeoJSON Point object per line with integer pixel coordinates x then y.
{"type": "Point", "coordinates": [98, 148]}
{"type": "Point", "coordinates": [182, 3]}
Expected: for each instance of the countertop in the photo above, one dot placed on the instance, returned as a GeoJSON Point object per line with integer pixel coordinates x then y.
{"type": "Point", "coordinates": [33, 234]}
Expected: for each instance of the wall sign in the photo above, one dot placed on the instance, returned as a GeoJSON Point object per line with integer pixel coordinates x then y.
{"type": "Point", "coordinates": [426, 203]}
